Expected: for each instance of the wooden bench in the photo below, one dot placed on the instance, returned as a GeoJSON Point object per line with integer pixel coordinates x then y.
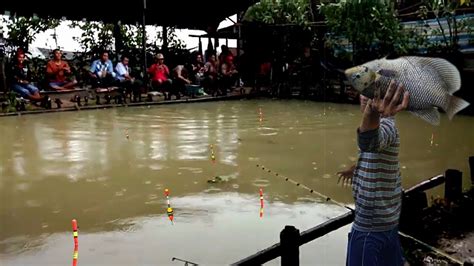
{"type": "Point", "coordinates": [78, 95]}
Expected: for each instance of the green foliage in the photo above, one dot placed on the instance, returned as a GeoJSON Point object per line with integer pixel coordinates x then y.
{"type": "Point", "coordinates": [444, 10]}
{"type": "Point", "coordinates": [373, 30]}
{"type": "Point", "coordinates": [174, 42]}
{"type": "Point", "coordinates": [22, 31]}
{"type": "Point", "coordinates": [96, 36]}
{"type": "Point", "coordinates": [280, 12]}
{"type": "Point", "coordinates": [371, 26]}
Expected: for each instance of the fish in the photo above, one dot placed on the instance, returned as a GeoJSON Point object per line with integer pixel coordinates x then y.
{"type": "Point", "coordinates": [430, 82]}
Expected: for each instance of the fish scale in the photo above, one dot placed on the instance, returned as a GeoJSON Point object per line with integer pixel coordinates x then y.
{"type": "Point", "coordinates": [418, 99]}
{"type": "Point", "coordinates": [436, 88]}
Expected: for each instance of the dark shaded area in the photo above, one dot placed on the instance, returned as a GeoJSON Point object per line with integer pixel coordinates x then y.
{"type": "Point", "coordinates": [184, 14]}
{"type": "Point", "coordinates": [441, 225]}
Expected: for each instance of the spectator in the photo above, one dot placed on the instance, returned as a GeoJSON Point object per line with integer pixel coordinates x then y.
{"type": "Point", "coordinates": [198, 69]}
{"type": "Point", "coordinates": [102, 72]}
{"type": "Point", "coordinates": [56, 70]}
{"type": "Point", "coordinates": [228, 74]}
{"type": "Point", "coordinates": [160, 74]}
{"type": "Point", "coordinates": [180, 80]}
{"type": "Point", "coordinates": [122, 71]}
{"type": "Point", "coordinates": [20, 79]}
{"type": "Point", "coordinates": [210, 75]}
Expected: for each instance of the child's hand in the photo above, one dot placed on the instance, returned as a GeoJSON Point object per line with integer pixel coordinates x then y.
{"type": "Point", "coordinates": [346, 176]}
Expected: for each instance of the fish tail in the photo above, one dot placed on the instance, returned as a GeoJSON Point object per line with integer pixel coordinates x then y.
{"type": "Point", "coordinates": [454, 105]}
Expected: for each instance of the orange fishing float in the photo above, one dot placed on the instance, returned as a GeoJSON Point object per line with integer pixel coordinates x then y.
{"type": "Point", "coordinates": [75, 255]}
{"type": "Point", "coordinates": [74, 232]}
{"type": "Point", "coordinates": [76, 242]}
{"type": "Point", "coordinates": [260, 114]}
{"type": "Point", "coordinates": [169, 210]}
{"type": "Point", "coordinates": [261, 203]}
{"type": "Point", "coordinates": [126, 133]}
{"type": "Point", "coordinates": [432, 139]}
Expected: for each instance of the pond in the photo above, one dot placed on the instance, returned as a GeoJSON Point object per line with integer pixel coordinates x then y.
{"type": "Point", "coordinates": [81, 165]}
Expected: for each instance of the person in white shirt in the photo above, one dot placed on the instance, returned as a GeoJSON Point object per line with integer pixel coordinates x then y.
{"type": "Point", "coordinates": [126, 81]}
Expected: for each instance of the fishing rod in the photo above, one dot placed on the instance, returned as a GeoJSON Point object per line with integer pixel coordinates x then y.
{"type": "Point", "coordinates": [312, 191]}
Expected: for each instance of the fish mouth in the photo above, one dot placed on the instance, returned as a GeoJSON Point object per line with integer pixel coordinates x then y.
{"type": "Point", "coordinates": [348, 73]}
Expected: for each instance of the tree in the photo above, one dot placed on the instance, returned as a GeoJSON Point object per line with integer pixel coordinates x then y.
{"type": "Point", "coordinates": [370, 26]}
{"type": "Point", "coordinates": [95, 36]}
{"type": "Point", "coordinates": [22, 31]}
{"type": "Point", "coordinates": [444, 10]}
{"type": "Point", "coordinates": [280, 12]}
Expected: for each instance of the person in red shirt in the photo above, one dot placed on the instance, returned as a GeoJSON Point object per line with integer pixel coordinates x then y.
{"type": "Point", "coordinates": [228, 74]}
{"type": "Point", "coordinates": [160, 76]}
{"type": "Point", "coordinates": [209, 81]}
{"type": "Point", "coordinates": [57, 69]}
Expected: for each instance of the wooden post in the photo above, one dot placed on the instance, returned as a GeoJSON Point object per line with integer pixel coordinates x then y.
{"type": "Point", "coordinates": [453, 186]}
{"type": "Point", "coordinates": [164, 48]}
{"type": "Point", "coordinates": [3, 77]}
{"type": "Point", "coordinates": [289, 241]}
{"type": "Point", "coordinates": [239, 36]}
{"type": "Point", "coordinates": [419, 201]}
{"type": "Point", "coordinates": [471, 166]}
{"type": "Point", "coordinates": [118, 40]}
{"type": "Point", "coordinates": [144, 62]}
{"type": "Point", "coordinates": [413, 205]}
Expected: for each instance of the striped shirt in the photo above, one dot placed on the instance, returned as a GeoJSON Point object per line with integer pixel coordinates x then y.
{"type": "Point", "coordinates": [376, 185]}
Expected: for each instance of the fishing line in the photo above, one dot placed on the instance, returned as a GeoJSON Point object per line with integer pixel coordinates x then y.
{"type": "Point", "coordinates": [298, 184]}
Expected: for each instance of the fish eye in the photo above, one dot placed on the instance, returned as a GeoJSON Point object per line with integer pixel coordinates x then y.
{"type": "Point", "coordinates": [357, 76]}
{"type": "Point", "coordinates": [366, 69]}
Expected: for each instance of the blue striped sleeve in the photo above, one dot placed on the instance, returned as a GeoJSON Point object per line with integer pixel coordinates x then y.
{"type": "Point", "coordinates": [367, 140]}
{"type": "Point", "coordinates": [379, 138]}
{"type": "Point", "coordinates": [387, 133]}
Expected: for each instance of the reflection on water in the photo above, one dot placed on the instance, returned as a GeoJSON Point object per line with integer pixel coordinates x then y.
{"type": "Point", "coordinates": [212, 229]}
{"type": "Point", "coordinates": [56, 167]}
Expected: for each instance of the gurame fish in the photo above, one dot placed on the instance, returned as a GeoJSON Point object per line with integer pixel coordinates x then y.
{"type": "Point", "coordinates": [430, 82]}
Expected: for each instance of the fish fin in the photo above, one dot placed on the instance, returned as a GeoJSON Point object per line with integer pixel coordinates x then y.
{"type": "Point", "coordinates": [446, 71]}
{"type": "Point", "coordinates": [431, 116]}
{"type": "Point", "coordinates": [455, 104]}
{"type": "Point", "coordinates": [387, 72]}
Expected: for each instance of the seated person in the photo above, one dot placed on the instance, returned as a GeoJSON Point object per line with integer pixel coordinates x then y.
{"type": "Point", "coordinates": [263, 77]}
{"type": "Point", "coordinates": [124, 78]}
{"type": "Point", "coordinates": [228, 74]}
{"type": "Point", "coordinates": [198, 70]}
{"type": "Point", "coordinates": [225, 52]}
{"type": "Point", "coordinates": [209, 81]}
{"type": "Point", "coordinates": [56, 70]}
{"type": "Point", "coordinates": [102, 72]}
{"type": "Point", "coordinates": [181, 81]}
{"type": "Point", "coordinates": [20, 79]}
{"type": "Point", "coordinates": [160, 73]}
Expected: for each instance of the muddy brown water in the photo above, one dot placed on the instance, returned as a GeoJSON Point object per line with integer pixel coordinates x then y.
{"type": "Point", "coordinates": [56, 167]}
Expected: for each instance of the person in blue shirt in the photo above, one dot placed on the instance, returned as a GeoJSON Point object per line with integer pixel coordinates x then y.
{"type": "Point", "coordinates": [102, 72]}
